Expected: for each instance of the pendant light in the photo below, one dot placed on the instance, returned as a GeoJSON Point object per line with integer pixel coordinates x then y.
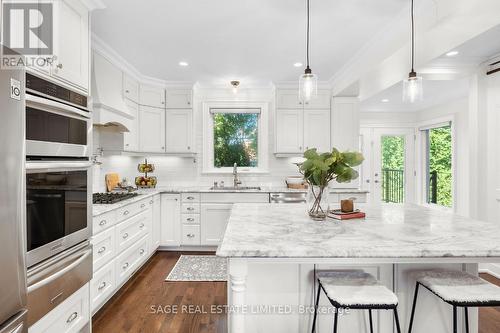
{"type": "Point", "coordinates": [412, 86]}
{"type": "Point", "coordinates": [308, 82]}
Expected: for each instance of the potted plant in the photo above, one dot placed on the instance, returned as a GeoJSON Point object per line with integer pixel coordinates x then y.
{"type": "Point", "coordinates": [320, 169]}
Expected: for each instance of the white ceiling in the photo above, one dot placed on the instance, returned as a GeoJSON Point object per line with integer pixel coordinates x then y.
{"type": "Point", "coordinates": [255, 41]}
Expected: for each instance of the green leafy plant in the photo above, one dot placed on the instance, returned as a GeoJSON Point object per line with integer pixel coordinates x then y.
{"type": "Point", "coordinates": [320, 169]}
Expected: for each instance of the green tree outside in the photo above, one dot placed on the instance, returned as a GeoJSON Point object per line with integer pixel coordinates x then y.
{"type": "Point", "coordinates": [440, 161]}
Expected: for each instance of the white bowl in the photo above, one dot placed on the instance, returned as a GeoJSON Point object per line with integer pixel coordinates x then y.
{"type": "Point", "coordinates": [295, 180]}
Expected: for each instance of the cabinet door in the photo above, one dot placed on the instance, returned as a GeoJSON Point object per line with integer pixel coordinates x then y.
{"type": "Point", "coordinates": [131, 138]}
{"type": "Point", "coordinates": [214, 219]}
{"type": "Point", "coordinates": [317, 130]}
{"type": "Point", "coordinates": [130, 88]}
{"type": "Point", "coordinates": [288, 99]}
{"type": "Point", "coordinates": [151, 129]}
{"type": "Point", "coordinates": [179, 131]}
{"type": "Point", "coordinates": [289, 131]}
{"type": "Point", "coordinates": [152, 96]}
{"type": "Point", "coordinates": [71, 43]}
{"type": "Point", "coordinates": [170, 220]}
{"type": "Point", "coordinates": [322, 101]}
{"type": "Point", "coordinates": [179, 99]}
{"type": "Point", "coordinates": [155, 202]}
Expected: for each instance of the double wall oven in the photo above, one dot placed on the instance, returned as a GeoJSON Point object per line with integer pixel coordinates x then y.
{"type": "Point", "coordinates": [58, 194]}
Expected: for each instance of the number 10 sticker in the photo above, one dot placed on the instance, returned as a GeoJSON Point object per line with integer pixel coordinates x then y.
{"type": "Point", "coordinates": [15, 89]}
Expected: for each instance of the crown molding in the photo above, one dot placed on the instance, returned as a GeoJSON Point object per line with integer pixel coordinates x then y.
{"type": "Point", "coordinates": [94, 4]}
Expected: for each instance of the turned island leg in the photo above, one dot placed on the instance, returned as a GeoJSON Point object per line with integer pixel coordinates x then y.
{"type": "Point", "coordinates": [238, 270]}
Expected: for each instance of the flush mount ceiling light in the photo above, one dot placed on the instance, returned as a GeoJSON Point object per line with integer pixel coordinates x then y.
{"type": "Point", "coordinates": [308, 82]}
{"type": "Point", "coordinates": [385, 100]}
{"type": "Point", "coordinates": [412, 86]}
{"type": "Point", "coordinates": [183, 64]}
{"type": "Point", "coordinates": [298, 64]}
{"type": "Point", "coordinates": [235, 85]}
{"type": "Point", "coordinates": [452, 53]}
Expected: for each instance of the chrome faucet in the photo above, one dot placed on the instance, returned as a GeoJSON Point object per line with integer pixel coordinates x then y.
{"type": "Point", "coordinates": [236, 181]}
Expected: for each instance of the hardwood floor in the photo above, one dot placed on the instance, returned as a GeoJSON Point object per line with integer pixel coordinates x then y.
{"type": "Point", "coordinates": [131, 309]}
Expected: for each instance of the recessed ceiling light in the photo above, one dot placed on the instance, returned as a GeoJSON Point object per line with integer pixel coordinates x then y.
{"type": "Point", "coordinates": [385, 100]}
{"type": "Point", "coordinates": [452, 53]}
{"type": "Point", "coordinates": [298, 64]}
{"type": "Point", "coordinates": [183, 64]}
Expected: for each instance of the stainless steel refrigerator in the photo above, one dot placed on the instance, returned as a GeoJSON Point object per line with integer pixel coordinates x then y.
{"type": "Point", "coordinates": [12, 197]}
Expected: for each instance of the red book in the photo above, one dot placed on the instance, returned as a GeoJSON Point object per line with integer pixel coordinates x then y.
{"type": "Point", "coordinates": [349, 216]}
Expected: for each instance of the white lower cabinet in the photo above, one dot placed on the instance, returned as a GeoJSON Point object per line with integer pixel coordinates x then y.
{"type": "Point", "coordinates": [190, 234]}
{"type": "Point", "coordinates": [103, 247]}
{"type": "Point", "coordinates": [102, 285]}
{"type": "Point", "coordinates": [214, 219]}
{"type": "Point", "coordinates": [170, 220]}
{"type": "Point", "coordinates": [127, 262]}
{"type": "Point", "coordinates": [155, 204]}
{"type": "Point", "coordinates": [68, 317]}
{"type": "Point", "coordinates": [131, 230]}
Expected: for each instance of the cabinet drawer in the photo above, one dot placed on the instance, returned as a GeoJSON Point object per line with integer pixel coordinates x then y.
{"type": "Point", "coordinates": [190, 208]}
{"type": "Point", "coordinates": [129, 231]}
{"type": "Point", "coordinates": [69, 316]}
{"type": "Point", "coordinates": [190, 219]}
{"type": "Point", "coordinates": [190, 197]}
{"type": "Point", "coordinates": [130, 260]}
{"type": "Point", "coordinates": [102, 285]}
{"type": "Point", "coordinates": [190, 234]}
{"type": "Point", "coordinates": [131, 210]}
{"type": "Point", "coordinates": [103, 248]}
{"type": "Point", "coordinates": [103, 222]}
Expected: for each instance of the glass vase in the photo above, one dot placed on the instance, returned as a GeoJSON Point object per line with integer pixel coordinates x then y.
{"type": "Point", "coordinates": [317, 202]}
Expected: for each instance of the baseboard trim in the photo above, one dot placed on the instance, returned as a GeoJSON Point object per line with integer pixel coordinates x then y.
{"type": "Point", "coordinates": [188, 248]}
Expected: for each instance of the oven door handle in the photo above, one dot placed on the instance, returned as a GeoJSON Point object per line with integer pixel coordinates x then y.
{"type": "Point", "coordinates": [60, 273]}
{"type": "Point", "coordinates": [50, 106]}
{"type": "Point", "coordinates": [32, 167]}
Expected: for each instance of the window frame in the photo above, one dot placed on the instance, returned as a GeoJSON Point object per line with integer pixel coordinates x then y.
{"type": "Point", "coordinates": [208, 135]}
{"type": "Point", "coordinates": [423, 189]}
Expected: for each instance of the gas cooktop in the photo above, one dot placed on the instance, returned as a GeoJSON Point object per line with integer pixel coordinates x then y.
{"type": "Point", "coordinates": [111, 198]}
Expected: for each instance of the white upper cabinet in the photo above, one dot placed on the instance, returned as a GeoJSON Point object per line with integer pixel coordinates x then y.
{"type": "Point", "coordinates": [131, 138]}
{"type": "Point", "coordinates": [289, 131]}
{"type": "Point", "coordinates": [151, 129]}
{"type": "Point", "coordinates": [152, 96]}
{"type": "Point", "coordinates": [288, 99]}
{"type": "Point", "coordinates": [317, 130]}
{"type": "Point", "coordinates": [179, 99]}
{"type": "Point", "coordinates": [71, 43]}
{"type": "Point", "coordinates": [130, 88]}
{"type": "Point", "coordinates": [322, 101]}
{"type": "Point", "coordinates": [179, 131]}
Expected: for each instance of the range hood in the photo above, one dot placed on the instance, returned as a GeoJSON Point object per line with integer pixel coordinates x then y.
{"type": "Point", "coordinates": [110, 107]}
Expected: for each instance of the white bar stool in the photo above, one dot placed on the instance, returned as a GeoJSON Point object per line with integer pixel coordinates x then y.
{"type": "Point", "coordinates": [354, 289]}
{"type": "Point", "coordinates": [459, 289]}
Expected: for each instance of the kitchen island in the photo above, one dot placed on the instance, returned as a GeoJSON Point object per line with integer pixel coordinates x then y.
{"type": "Point", "coordinates": [273, 251]}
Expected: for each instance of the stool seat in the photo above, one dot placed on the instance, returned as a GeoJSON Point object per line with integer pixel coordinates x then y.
{"type": "Point", "coordinates": [458, 287]}
{"type": "Point", "coordinates": [356, 289]}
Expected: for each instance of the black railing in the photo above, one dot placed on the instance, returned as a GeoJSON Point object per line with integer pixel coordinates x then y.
{"type": "Point", "coordinates": [433, 187]}
{"type": "Point", "coordinates": [393, 185]}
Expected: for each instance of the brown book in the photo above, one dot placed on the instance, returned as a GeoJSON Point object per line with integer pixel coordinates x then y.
{"type": "Point", "coordinates": [355, 215]}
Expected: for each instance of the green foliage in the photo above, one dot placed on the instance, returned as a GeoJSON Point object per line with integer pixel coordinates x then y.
{"type": "Point", "coordinates": [320, 169]}
{"type": "Point", "coordinates": [393, 152]}
{"type": "Point", "coordinates": [235, 139]}
{"type": "Point", "coordinates": [440, 159]}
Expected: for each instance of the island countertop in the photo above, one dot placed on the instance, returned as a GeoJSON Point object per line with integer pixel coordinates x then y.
{"type": "Point", "coordinates": [390, 231]}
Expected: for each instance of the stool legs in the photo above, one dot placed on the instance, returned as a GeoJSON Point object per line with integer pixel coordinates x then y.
{"type": "Point", "coordinates": [371, 320]}
{"type": "Point", "coordinates": [336, 320]}
{"type": "Point", "coordinates": [466, 310]}
{"type": "Point", "coordinates": [455, 326]}
{"type": "Point", "coordinates": [413, 307]}
{"type": "Point", "coordinates": [316, 308]}
{"type": "Point", "coordinates": [396, 319]}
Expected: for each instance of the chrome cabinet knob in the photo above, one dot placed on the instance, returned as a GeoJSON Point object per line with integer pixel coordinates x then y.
{"type": "Point", "coordinates": [60, 66]}
{"type": "Point", "coordinates": [126, 212]}
{"type": "Point", "coordinates": [101, 250]}
{"type": "Point", "coordinates": [127, 91]}
{"type": "Point", "coordinates": [190, 235]}
{"type": "Point", "coordinates": [142, 251]}
{"type": "Point", "coordinates": [103, 222]}
{"type": "Point", "coordinates": [125, 235]}
{"type": "Point", "coordinates": [102, 285]}
{"type": "Point", "coordinates": [143, 205]}
{"type": "Point", "coordinates": [141, 226]}
{"type": "Point", "coordinates": [125, 265]}
{"type": "Point", "coordinates": [376, 181]}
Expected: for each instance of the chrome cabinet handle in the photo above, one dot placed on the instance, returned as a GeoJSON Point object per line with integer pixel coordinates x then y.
{"type": "Point", "coordinates": [126, 212]}
{"type": "Point", "coordinates": [127, 91]}
{"type": "Point", "coordinates": [55, 298]}
{"type": "Point", "coordinates": [376, 181]}
{"type": "Point", "coordinates": [151, 202]}
{"type": "Point", "coordinates": [141, 226]}
{"type": "Point", "coordinates": [163, 147]}
{"type": "Point", "coordinates": [143, 205]}
{"type": "Point", "coordinates": [125, 235]}
{"type": "Point", "coordinates": [190, 198]}
{"type": "Point", "coordinates": [300, 148]}
{"type": "Point", "coordinates": [300, 103]}
{"type": "Point", "coordinates": [102, 285]}
{"type": "Point", "coordinates": [190, 219]}
{"type": "Point", "coordinates": [103, 222]}
{"type": "Point", "coordinates": [101, 250]}
{"type": "Point", "coordinates": [141, 252]}
{"type": "Point", "coordinates": [60, 66]}
{"type": "Point", "coordinates": [189, 103]}
{"type": "Point", "coordinates": [190, 235]}
{"type": "Point", "coordinates": [73, 316]}
{"type": "Point", "coordinates": [190, 208]}
{"type": "Point", "coordinates": [367, 180]}
{"type": "Point", "coordinates": [189, 148]}
{"type": "Point", "coordinates": [125, 265]}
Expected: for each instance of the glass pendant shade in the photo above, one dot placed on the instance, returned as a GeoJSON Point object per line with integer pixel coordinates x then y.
{"type": "Point", "coordinates": [412, 89]}
{"type": "Point", "coordinates": [308, 87]}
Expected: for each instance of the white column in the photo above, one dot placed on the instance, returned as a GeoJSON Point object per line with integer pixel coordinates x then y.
{"type": "Point", "coordinates": [238, 270]}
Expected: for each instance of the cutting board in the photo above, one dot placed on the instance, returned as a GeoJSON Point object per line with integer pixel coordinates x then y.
{"type": "Point", "coordinates": [112, 180]}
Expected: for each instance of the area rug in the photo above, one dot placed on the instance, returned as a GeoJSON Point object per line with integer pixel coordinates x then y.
{"type": "Point", "coordinates": [199, 268]}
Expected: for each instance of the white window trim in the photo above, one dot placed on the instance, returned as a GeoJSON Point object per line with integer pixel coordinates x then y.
{"type": "Point", "coordinates": [208, 134]}
{"type": "Point", "coordinates": [422, 162]}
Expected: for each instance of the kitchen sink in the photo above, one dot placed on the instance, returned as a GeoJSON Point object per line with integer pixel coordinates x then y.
{"type": "Point", "coordinates": [238, 188]}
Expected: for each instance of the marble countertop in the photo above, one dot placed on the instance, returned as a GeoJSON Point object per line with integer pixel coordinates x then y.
{"type": "Point", "coordinates": [389, 231]}
{"type": "Point", "coordinates": [99, 209]}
